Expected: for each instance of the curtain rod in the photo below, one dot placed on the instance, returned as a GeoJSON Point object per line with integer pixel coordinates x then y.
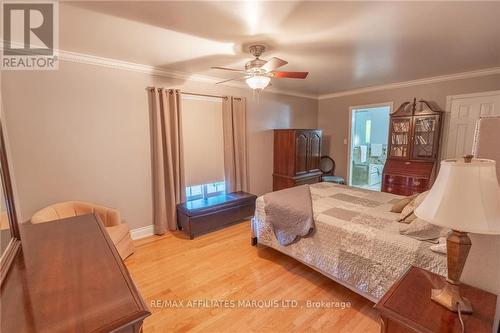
{"type": "Point", "coordinates": [203, 95]}
{"type": "Point", "coordinates": [197, 94]}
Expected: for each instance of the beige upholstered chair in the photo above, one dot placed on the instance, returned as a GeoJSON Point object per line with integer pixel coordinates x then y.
{"type": "Point", "coordinates": [118, 231]}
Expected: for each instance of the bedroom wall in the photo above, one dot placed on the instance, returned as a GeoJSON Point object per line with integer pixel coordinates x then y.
{"type": "Point", "coordinates": [82, 133]}
{"type": "Point", "coordinates": [333, 114]}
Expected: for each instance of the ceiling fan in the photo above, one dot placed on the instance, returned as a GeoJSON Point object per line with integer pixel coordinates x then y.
{"type": "Point", "coordinates": [258, 73]}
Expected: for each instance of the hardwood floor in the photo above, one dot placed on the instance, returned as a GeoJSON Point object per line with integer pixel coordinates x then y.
{"type": "Point", "coordinates": [223, 266]}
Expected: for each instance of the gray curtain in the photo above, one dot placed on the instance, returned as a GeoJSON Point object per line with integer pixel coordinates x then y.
{"type": "Point", "coordinates": [235, 145]}
{"type": "Point", "coordinates": [167, 157]}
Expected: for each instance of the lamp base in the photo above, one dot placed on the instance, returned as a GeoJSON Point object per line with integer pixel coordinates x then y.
{"type": "Point", "coordinates": [458, 245]}
{"type": "Point", "coordinates": [449, 297]}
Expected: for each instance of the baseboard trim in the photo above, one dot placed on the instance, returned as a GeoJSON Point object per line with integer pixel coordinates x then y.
{"type": "Point", "coordinates": [142, 232]}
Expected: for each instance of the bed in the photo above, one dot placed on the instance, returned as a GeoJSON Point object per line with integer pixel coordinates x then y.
{"type": "Point", "coordinates": [356, 241]}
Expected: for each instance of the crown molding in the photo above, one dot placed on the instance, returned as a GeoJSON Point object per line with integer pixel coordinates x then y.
{"type": "Point", "coordinates": [88, 59]}
{"type": "Point", "coordinates": [167, 73]}
{"type": "Point", "coordinates": [403, 84]}
{"type": "Point", "coordinates": [147, 69]}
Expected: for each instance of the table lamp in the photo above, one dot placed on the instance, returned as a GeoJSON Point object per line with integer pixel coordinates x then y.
{"type": "Point", "coordinates": [464, 198]}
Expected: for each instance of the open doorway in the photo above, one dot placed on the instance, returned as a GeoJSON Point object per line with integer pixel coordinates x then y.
{"type": "Point", "coordinates": [369, 130]}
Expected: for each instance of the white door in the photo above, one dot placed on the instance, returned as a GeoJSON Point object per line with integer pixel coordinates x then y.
{"type": "Point", "coordinates": [464, 111]}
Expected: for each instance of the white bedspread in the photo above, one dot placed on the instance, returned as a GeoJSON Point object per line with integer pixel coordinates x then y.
{"type": "Point", "coordinates": [356, 241]}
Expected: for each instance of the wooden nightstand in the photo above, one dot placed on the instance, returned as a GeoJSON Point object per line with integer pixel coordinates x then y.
{"type": "Point", "coordinates": [407, 307]}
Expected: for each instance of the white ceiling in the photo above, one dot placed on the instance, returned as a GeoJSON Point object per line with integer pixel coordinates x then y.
{"type": "Point", "coordinates": [343, 45]}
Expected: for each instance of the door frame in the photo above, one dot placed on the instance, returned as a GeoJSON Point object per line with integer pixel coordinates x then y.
{"type": "Point", "coordinates": [443, 151]}
{"type": "Point", "coordinates": [351, 111]}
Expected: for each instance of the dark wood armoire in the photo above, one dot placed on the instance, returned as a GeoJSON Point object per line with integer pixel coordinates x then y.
{"type": "Point", "coordinates": [414, 134]}
{"type": "Point", "coordinates": [296, 157]}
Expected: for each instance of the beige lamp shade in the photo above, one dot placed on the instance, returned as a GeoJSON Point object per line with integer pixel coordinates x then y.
{"type": "Point", "coordinates": [465, 197]}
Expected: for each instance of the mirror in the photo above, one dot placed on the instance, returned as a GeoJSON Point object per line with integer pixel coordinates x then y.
{"type": "Point", "coordinates": [9, 231]}
{"type": "Point", "coordinates": [5, 235]}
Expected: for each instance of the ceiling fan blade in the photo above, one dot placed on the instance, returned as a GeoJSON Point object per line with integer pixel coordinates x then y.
{"type": "Point", "coordinates": [227, 69]}
{"type": "Point", "coordinates": [239, 78]}
{"type": "Point", "coordinates": [274, 63]}
{"type": "Point", "coordinates": [290, 75]}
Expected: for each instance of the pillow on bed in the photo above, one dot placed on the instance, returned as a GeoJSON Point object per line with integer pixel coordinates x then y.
{"type": "Point", "coordinates": [441, 247]}
{"type": "Point", "coordinates": [409, 218]}
{"type": "Point", "coordinates": [424, 231]}
{"type": "Point", "coordinates": [398, 206]}
{"type": "Point", "coordinates": [407, 214]}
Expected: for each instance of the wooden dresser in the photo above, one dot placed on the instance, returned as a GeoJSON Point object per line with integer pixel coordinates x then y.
{"type": "Point", "coordinates": [407, 307]}
{"type": "Point", "coordinates": [297, 153]}
{"type": "Point", "coordinates": [414, 135]}
{"type": "Point", "coordinates": [68, 277]}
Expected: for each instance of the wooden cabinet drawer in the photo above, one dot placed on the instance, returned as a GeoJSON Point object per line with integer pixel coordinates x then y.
{"type": "Point", "coordinates": [397, 180]}
{"type": "Point", "coordinates": [311, 180]}
{"type": "Point", "coordinates": [407, 181]}
{"type": "Point", "coordinates": [405, 185]}
{"type": "Point", "coordinates": [398, 189]}
{"type": "Point", "coordinates": [419, 182]}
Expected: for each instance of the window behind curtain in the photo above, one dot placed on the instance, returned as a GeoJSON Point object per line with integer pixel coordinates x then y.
{"type": "Point", "coordinates": [203, 147]}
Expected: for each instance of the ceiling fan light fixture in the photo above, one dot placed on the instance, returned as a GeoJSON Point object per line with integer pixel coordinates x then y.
{"type": "Point", "coordinates": [258, 72]}
{"type": "Point", "coordinates": [258, 82]}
